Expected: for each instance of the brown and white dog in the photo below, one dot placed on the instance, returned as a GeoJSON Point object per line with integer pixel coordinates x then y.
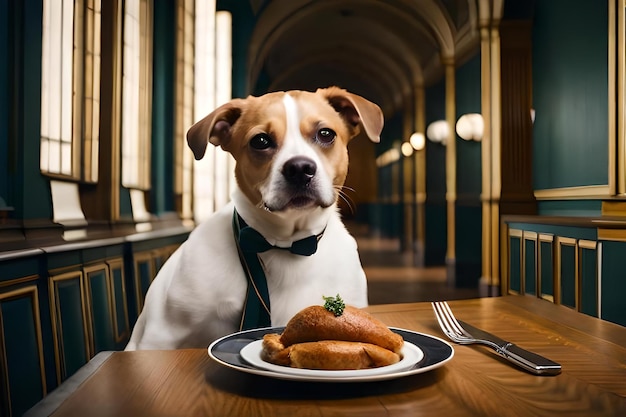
{"type": "Point", "coordinates": [291, 162]}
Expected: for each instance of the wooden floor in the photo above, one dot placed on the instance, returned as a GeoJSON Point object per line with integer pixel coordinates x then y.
{"type": "Point", "coordinates": [392, 278]}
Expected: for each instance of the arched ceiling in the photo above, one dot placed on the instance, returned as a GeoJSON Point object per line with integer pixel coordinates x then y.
{"type": "Point", "coordinates": [379, 49]}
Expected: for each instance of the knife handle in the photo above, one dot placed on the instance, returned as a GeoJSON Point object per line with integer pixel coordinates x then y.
{"type": "Point", "coordinates": [530, 361]}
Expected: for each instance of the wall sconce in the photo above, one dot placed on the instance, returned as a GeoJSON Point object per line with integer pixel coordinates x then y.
{"type": "Point", "coordinates": [532, 116]}
{"type": "Point", "coordinates": [407, 149]}
{"type": "Point", "coordinates": [417, 141]}
{"type": "Point", "coordinates": [438, 132]}
{"type": "Point", "coordinates": [470, 126]}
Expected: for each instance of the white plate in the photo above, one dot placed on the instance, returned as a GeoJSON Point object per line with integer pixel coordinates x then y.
{"type": "Point", "coordinates": [411, 355]}
{"type": "Point", "coordinates": [226, 351]}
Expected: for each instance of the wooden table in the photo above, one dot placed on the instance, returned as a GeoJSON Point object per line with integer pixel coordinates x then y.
{"type": "Point", "coordinates": [475, 382]}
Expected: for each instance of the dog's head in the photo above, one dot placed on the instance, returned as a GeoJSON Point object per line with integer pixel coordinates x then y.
{"type": "Point", "coordinates": [290, 147]}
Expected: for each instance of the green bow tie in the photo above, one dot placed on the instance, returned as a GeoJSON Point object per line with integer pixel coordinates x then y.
{"type": "Point", "coordinates": [256, 311]}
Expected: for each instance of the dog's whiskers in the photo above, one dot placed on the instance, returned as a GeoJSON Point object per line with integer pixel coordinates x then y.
{"type": "Point", "coordinates": [344, 196]}
{"type": "Point", "coordinates": [345, 187]}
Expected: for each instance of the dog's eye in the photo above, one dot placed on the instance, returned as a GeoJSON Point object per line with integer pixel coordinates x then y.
{"type": "Point", "coordinates": [325, 136]}
{"type": "Point", "coordinates": [261, 141]}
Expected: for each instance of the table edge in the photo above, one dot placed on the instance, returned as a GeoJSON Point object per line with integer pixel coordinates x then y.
{"type": "Point", "coordinates": [51, 402]}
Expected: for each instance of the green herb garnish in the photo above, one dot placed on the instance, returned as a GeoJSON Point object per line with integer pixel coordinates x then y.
{"type": "Point", "coordinates": [334, 304]}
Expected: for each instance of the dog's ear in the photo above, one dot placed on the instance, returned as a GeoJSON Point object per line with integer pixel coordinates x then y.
{"type": "Point", "coordinates": [356, 110]}
{"type": "Point", "coordinates": [215, 128]}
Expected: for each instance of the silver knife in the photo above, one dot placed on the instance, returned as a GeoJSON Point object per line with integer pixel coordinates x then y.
{"type": "Point", "coordinates": [530, 361]}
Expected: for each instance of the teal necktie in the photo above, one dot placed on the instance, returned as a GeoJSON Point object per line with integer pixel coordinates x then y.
{"type": "Point", "coordinates": [250, 243]}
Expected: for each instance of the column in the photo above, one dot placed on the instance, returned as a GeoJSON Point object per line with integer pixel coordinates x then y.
{"type": "Point", "coordinates": [408, 178]}
{"type": "Point", "coordinates": [420, 175]}
{"type": "Point", "coordinates": [451, 168]}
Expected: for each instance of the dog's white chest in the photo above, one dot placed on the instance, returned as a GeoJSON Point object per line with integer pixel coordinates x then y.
{"type": "Point", "coordinates": [296, 282]}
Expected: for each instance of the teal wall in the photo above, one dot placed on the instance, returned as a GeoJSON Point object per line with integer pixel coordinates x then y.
{"type": "Point", "coordinates": [468, 153]}
{"type": "Point", "coordinates": [262, 84]}
{"type": "Point", "coordinates": [30, 193]}
{"type": "Point", "coordinates": [163, 107]}
{"type": "Point", "coordinates": [468, 214]}
{"type": "Point", "coordinates": [570, 208]}
{"type": "Point", "coordinates": [386, 218]}
{"type": "Point", "coordinates": [613, 289]}
{"type": "Point", "coordinates": [468, 222]}
{"type": "Point", "coordinates": [435, 152]}
{"type": "Point", "coordinates": [4, 98]}
{"type": "Point", "coordinates": [435, 205]}
{"type": "Point", "coordinates": [570, 93]}
{"type": "Point", "coordinates": [243, 25]}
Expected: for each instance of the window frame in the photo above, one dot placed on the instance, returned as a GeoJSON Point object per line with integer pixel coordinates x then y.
{"type": "Point", "coordinates": [185, 89]}
{"type": "Point", "coordinates": [85, 77]}
{"type": "Point", "coordinates": [141, 127]}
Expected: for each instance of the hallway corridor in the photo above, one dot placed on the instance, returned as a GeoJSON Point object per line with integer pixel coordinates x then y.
{"type": "Point", "coordinates": [392, 278]}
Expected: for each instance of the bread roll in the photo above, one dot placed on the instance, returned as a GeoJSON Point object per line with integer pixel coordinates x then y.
{"type": "Point", "coordinates": [327, 354]}
{"type": "Point", "coordinates": [337, 355]}
{"type": "Point", "coordinates": [316, 338]}
{"type": "Point", "coordinates": [274, 351]}
{"type": "Point", "coordinates": [315, 323]}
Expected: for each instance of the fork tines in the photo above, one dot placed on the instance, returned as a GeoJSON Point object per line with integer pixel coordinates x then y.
{"type": "Point", "coordinates": [449, 323]}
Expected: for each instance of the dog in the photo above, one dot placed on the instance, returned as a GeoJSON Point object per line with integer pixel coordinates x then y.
{"type": "Point", "coordinates": [291, 159]}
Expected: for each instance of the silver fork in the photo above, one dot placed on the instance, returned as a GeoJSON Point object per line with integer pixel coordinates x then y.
{"type": "Point", "coordinates": [460, 333]}
{"type": "Point", "coordinates": [453, 329]}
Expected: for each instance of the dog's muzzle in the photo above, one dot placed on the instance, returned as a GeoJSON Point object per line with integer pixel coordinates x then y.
{"type": "Point", "coordinates": [299, 171]}
{"type": "Point", "coordinates": [299, 186]}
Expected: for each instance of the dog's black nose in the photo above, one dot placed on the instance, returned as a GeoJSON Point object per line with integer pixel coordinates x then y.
{"type": "Point", "coordinates": [299, 170]}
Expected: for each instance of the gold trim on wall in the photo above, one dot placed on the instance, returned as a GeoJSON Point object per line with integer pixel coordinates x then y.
{"type": "Point", "coordinates": [515, 233]}
{"type": "Point", "coordinates": [87, 270]}
{"type": "Point", "coordinates": [545, 238]}
{"type": "Point", "coordinates": [450, 95]}
{"type": "Point", "coordinates": [55, 314]}
{"type": "Point", "coordinates": [22, 280]}
{"type": "Point", "coordinates": [584, 192]}
{"type": "Point", "coordinates": [614, 208]}
{"type": "Point", "coordinates": [159, 256]}
{"type": "Point", "coordinates": [34, 295]}
{"type": "Point", "coordinates": [618, 235]}
{"type": "Point", "coordinates": [504, 240]}
{"type": "Point", "coordinates": [586, 245]}
{"type": "Point", "coordinates": [119, 264]}
{"type": "Point", "coordinates": [395, 176]}
{"type": "Point", "coordinates": [532, 237]}
{"type": "Point", "coordinates": [560, 242]}
{"type": "Point", "coordinates": [139, 258]}
{"type": "Point", "coordinates": [419, 120]}
{"type": "Point", "coordinates": [599, 278]}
